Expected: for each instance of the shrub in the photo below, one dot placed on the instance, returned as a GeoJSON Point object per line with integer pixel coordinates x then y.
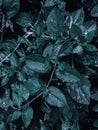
{"type": "Point", "coordinates": [48, 65]}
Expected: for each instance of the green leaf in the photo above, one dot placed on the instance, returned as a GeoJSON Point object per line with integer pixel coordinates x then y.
{"type": "Point", "coordinates": [55, 97]}
{"type": "Point", "coordinates": [48, 50]}
{"type": "Point", "coordinates": [49, 3]}
{"type": "Point", "coordinates": [17, 99]}
{"type": "Point", "coordinates": [66, 73]}
{"type": "Point", "coordinates": [88, 30]}
{"type": "Point", "coordinates": [37, 64]}
{"type": "Point", "coordinates": [59, 49]}
{"type": "Point", "coordinates": [1, 2]}
{"type": "Point", "coordinates": [4, 103]}
{"type": "Point", "coordinates": [90, 48]}
{"type": "Point", "coordinates": [67, 48]}
{"type": "Point", "coordinates": [2, 126]}
{"type": "Point", "coordinates": [39, 27]}
{"type": "Point", "coordinates": [94, 11]}
{"type": "Point", "coordinates": [55, 23]}
{"type": "Point", "coordinates": [13, 60]}
{"type": "Point", "coordinates": [33, 85]}
{"type": "Point", "coordinates": [27, 116]}
{"type": "Point", "coordinates": [89, 59]}
{"type": "Point", "coordinates": [95, 108]}
{"type": "Point", "coordinates": [14, 116]}
{"type": "Point", "coordinates": [78, 50]}
{"type": "Point", "coordinates": [95, 123]}
{"type": "Point", "coordinates": [22, 91]}
{"type": "Point", "coordinates": [8, 45]}
{"type": "Point", "coordinates": [52, 50]}
{"type": "Point", "coordinates": [75, 32]}
{"type": "Point", "coordinates": [66, 125]}
{"type": "Point", "coordinates": [42, 125]}
{"type": "Point", "coordinates": [4, 81]}
{"type": "Point", "coordinates": [80, 91]}
{"type": "Point", "coordinates": [94, 94]}
{"type": "Point", "coordinates": [11, 7]}
{"type": "Point", "coordinates": [24, 19]}
{"type": "Point", "coordinates": [76, 17]}
{"type": "Point", "coordinates": [21, 76]}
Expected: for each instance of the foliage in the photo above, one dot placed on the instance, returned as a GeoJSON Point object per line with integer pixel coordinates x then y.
{"type": "Point", "coordinates": [49, 59]}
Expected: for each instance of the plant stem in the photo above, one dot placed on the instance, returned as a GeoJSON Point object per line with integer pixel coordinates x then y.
{"type": "Point", "coordinates": [40, 92]}
{"type": "Point", "coordinates": [10, 54]}
{"type": "Point", "coordinates": [2, 28]}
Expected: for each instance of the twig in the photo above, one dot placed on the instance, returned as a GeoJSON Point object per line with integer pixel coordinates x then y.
{"type": "Point", "coordinates": [51, 76]}
{"type": "Point", "coordinates": [10, 54]}
{"type": "Point", "coordinates": [2, 28]}
{"type": "Point", "coordinates": [42, 91]}
{"type": "Point", "coordinates": [72, 61]}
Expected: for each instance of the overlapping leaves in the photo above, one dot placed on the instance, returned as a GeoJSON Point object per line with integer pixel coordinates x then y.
{"type": "Point", "coordinates": [52, 37]}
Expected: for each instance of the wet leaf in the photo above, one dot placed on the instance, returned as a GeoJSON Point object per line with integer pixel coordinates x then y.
{"type": "Point", "coordinates": [55, 23]}
{"type": "Point", "coordinates": [55, 97]}
{"type": "Point", "coordinates": [27, 116]}
{"type": "Point", "coordinates": [80, 91]}
{"type": "Point", "coordinates": [94, 11]}
{"type": "Point", "coordinates": [66, 73]}
{"type": "Point", "coordinates": [38, 64]}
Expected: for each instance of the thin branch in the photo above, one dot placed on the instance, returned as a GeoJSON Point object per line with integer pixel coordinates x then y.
{"type": "Point", "coordinates": [42, 91]}
{"type": "Point", "coordinates": [51, 76]}
{"type": "Point", "coordinates": [72, 61]}
{"type": "Point", "coordinates": [2, 28]}
{"type": "Point", "coordinates": [10, 53]}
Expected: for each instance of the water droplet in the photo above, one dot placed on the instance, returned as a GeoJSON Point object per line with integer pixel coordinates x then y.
{"type": "Point", "coordinates": [51, 20]}
{"type": "Point", "coordinates": [3, 103]}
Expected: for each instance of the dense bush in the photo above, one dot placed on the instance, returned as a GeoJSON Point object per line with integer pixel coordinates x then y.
{"type": "Point", "coordinates": [48, 65]}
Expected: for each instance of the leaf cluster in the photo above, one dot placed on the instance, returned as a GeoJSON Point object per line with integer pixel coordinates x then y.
{"type": "Point", "coordinates": [51, 57]}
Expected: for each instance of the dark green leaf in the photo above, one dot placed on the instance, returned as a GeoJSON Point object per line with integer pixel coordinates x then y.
{"type": "Point", "coordinates": [11, 7]}
{"type": "Point", "coordinates": [5, 103]}
{"type": "Point", "coordinates": [14, 60]}
{"type": "Point", "coordinates": [17, 100]}
{"type": "Point", "coordinates": [24, 19]}
{"type": "Point", "coordinates": [55, 23]}
{"type": "Point", "coordinates": [80, 91]}
{"type": "Point", "coordinates": [67, 48]}
{"type": "Point", "coordinates": [89, 59]}
{"type": "Point", "coordinates": [95, 108]}
{"type": "Point", "coordinates": [2, 126]}
{"type": "Point", "coordinates": [94, 94]}
{"type": "Point", "coordinates": [14, 116]}
{"type": "Point", "coordinates": [42, 125]}
{"type": "Point", "coordinates": [95, 123]}
{"type": "Point", "coordinates": [78, 50]}
{"type": "Point", "coordinates": [22, 91]}
{"type": "Point", "coordinates": [55, 97]}
{"type": "Point", "coordinates": [66, 73]}
{"type": "Point", "coordinates": [75, 32]}
{"type": "Point", "coordinates": [27, 116]}
{"type": "Point", "coordinates": [66, 125]}
{"type": "Point", "coordinates": [1, 2]}
{"type": "Point", "coordinates": [88, 30]}
{"type": "Point", "coordinates": [33, 85]}
{"type": "Point", "coordinates": [39, 27]}
{"type": "Point", "coordinates": [8, 45]}
{"type": "Point", "coordinates": [49, 3]}
{"type": "Point", "coordinates": [76, 17]}
{"type": "Point", "coordinates": [94, 11]}
{"type": "Point", "coordinates": [38, 64]}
